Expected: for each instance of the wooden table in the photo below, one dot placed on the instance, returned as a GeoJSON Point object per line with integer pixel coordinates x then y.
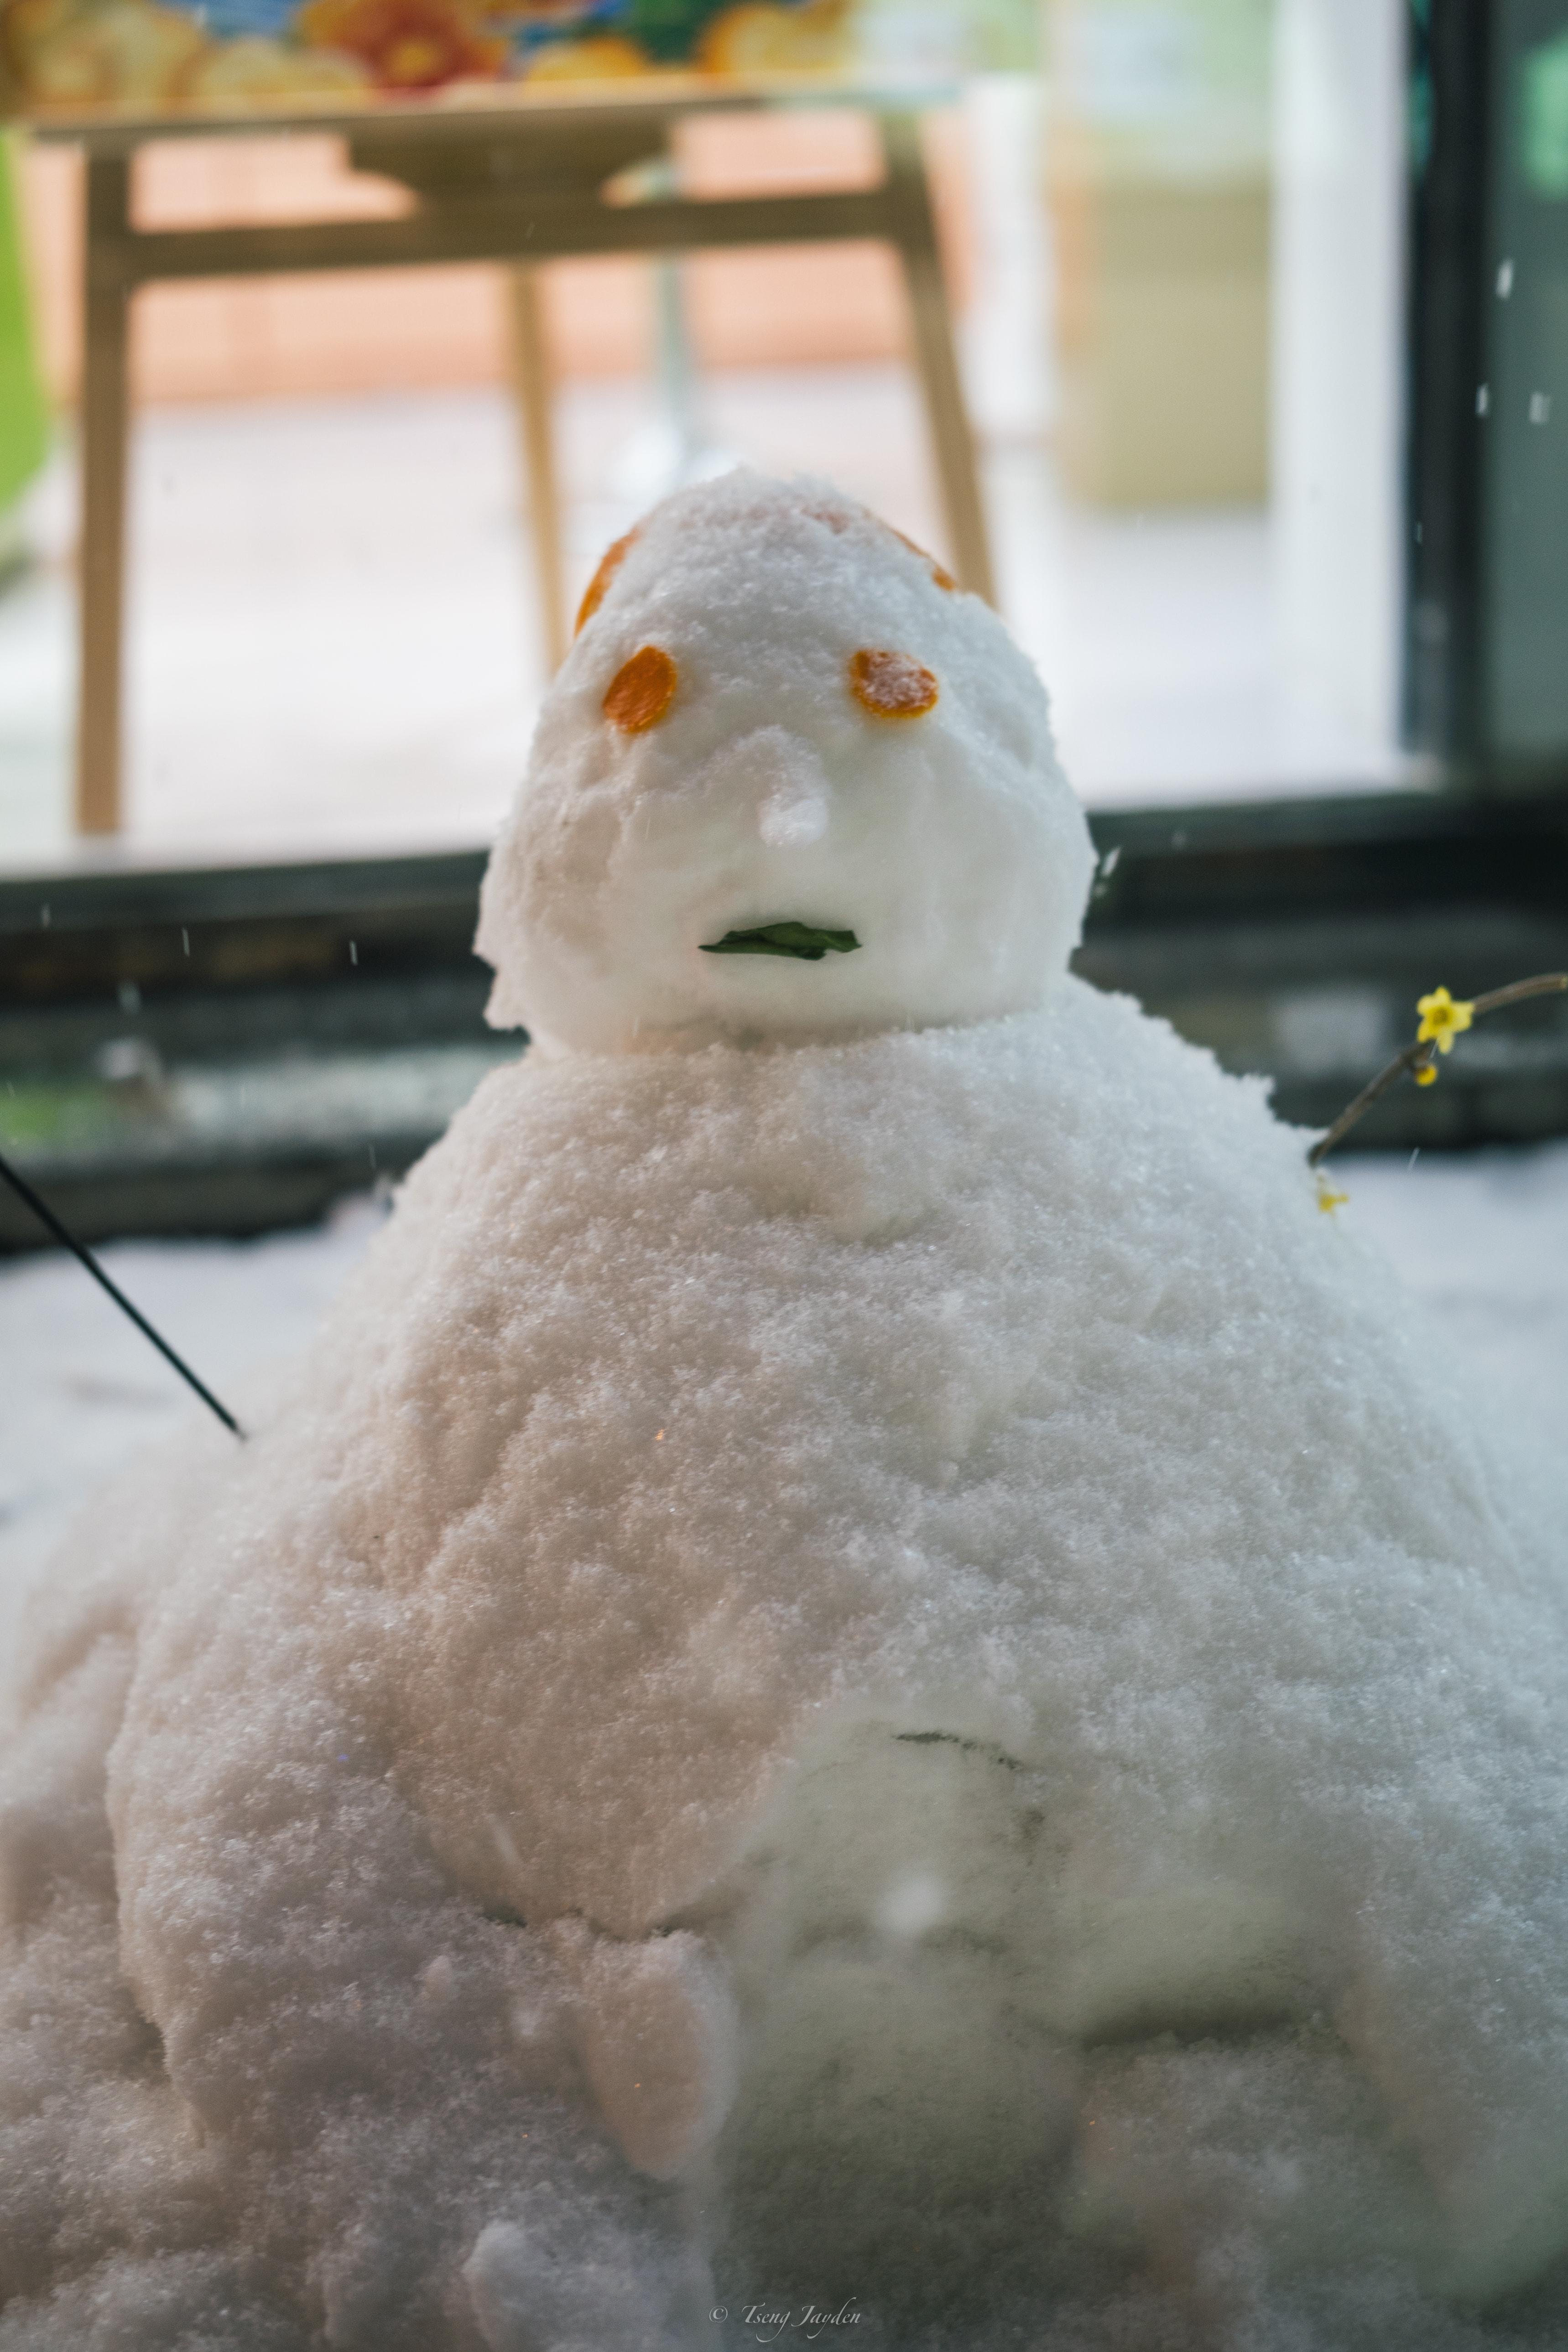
{"type": "Point", "coordinates": [523, 182]}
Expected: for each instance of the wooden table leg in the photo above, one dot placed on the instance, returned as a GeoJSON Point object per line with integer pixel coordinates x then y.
{"type": "Point", "coordinates": [953, 442]}
{"type": "Point", "coordinates": [532, 389]}
{"type": "Point", "coordinates": [104, 429]}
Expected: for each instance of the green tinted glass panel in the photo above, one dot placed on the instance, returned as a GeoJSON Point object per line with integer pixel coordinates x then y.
{"type": "Point", "coordinates": [1526, 554]}
{"type": "Point", "coordinates": [1543, 127]}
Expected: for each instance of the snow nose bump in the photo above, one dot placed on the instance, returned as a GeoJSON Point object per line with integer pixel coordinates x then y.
{"type": "Point", "coordinates": [785, 783]}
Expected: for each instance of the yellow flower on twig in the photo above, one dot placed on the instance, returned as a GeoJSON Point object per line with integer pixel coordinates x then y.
{"type": "Point", "coordinates": [1441, 1022]}
{"type": "Point", "coordinates": [1328, 1201]}
{"type": "Point", "coordinates": [1442, 1018]}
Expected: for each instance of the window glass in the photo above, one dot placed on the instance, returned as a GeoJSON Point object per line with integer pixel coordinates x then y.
{"type": "Point", "coordinates": [1173, 233]}
{"type": "Point", "coordinates": [1527, 438]}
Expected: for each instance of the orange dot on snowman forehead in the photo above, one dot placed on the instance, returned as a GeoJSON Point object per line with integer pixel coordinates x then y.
{"type": "Point", "coordinates": [599, 587]}
{"type": "Point", "coordinates": [940, 574]}
{"type": "Point", "coordinates": [892, 684]}
{"type": "Point", "coordinates": [641, 691]}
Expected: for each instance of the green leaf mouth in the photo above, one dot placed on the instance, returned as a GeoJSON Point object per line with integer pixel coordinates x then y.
{"type": "Point", "coordinates": [808, 942]}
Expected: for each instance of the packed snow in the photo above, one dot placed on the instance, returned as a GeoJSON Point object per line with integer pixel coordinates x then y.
{"type": "Point", "coordinates": [869, 1665]}
{"type": "Point", "coordinates": [946, 841]}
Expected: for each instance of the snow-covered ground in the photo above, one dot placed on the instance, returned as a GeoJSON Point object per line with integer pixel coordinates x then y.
{"type": "Point", "coordinates": [81, 1390]}
{"type": "Point", "coordinates": [1482, 1237]}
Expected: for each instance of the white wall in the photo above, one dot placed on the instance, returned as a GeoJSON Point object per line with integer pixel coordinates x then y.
{"type": "Point", "coordinates": [1337, 359]}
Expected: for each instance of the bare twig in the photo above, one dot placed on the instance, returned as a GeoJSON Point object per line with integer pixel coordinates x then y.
{"type": "Point", "coordinates": [1413, 1057]}
{"type": "Point", "coordinates": [1420, 1055]}
{"type": "Point", "coordinates": [1545, 984]}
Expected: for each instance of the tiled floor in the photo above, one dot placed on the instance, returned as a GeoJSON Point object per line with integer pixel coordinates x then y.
{"type": "Point", "coordinates": [333, 642]}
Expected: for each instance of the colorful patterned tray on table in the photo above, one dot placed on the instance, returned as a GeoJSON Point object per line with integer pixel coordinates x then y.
{"type": "Point", "coordinates": [76, 57]}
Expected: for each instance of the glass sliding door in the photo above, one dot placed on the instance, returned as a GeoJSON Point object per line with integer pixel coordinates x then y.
{"type": "Point", "coordinates": [1487, 640]}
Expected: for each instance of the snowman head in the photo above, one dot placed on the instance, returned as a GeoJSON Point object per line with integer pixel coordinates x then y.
{"type": "Point", "coordinates": [789, 784]}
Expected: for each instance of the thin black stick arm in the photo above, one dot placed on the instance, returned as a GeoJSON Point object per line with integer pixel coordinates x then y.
{"type": "Point", "coordinates": [46, 1216]}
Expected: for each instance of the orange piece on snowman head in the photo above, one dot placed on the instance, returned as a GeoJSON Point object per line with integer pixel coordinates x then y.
{"type": "Point", "coordinates": [598, 588]}
{"type": "Point", "coordinates": [939, 572]}
{"type": "Point", "coordinates": [892, 684]}
{"type": "Point", "coordinates": [641, 691]}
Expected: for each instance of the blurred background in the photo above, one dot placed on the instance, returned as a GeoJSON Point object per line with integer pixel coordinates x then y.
{"type": "Point", "coordinates": [1171, 231]}
{"type": "Point", "coordinates": [1262, 313]}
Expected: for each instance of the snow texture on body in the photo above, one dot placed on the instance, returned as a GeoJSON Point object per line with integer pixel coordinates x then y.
{"type": "Point", "coordinates": [866, 1662]}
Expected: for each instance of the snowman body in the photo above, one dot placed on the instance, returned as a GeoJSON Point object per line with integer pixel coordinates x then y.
{"type": "Point", "coordinates": [858, 1626]}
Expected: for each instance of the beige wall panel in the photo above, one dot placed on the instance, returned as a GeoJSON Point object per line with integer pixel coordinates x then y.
{"type": "Point", "coordinates": [1170, 405]}
{"type": "Point", "coordinates": [1163, 336]}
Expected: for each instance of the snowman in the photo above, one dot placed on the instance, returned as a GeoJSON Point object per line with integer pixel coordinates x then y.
{"type": "Point", "coordinates": [871, 1681]}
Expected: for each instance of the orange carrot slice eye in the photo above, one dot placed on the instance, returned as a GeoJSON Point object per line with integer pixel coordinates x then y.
{"type": "Point", "coordinates": [942, 578]}
{"type": "Point", "coordinates": [599, 587]}
{"type": "Point", "coordinates": [891, 685]}
{"type": "Point", "coordinates": [641, 691]}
